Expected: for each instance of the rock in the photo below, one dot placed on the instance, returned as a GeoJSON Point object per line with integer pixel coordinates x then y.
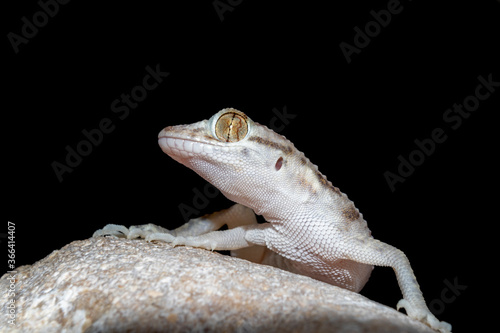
{"type": "Point", "coordinates": [119, 285]}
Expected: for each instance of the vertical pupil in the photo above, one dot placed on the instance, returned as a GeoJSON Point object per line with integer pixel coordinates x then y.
{"type": "Point", "coordinates": [230, 128]}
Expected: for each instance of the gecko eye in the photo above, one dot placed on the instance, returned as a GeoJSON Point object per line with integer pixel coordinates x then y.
{"type": "Point", "coordinates": [231, 127]}
{"type": "Point", "coordinates": [279, 164]}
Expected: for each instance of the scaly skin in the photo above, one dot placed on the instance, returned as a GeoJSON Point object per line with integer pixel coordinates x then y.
{"type": "Point", "coordinates": [312, 228]}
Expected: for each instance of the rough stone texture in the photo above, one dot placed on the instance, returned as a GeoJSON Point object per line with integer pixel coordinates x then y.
{"type": "Point", "coordinates": [118, 285]}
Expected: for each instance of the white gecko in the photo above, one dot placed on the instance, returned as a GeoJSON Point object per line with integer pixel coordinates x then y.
{"type": "Point", "coordinates": [312, 228]}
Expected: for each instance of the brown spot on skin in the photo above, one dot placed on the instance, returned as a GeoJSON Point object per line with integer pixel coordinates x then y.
{"type": "Point", "coordinates": [287, 150]}
{"type": "Point", "coordinates": [350, 213]}
{"type": "Point", "coordinates": [182, 129]}
{"type": "Point", "coordinates": [208, 138]}
{"type": "Point", "coordinates": [322, 179]}
{"type": "Point", "coordinates": [304, 183]}
{"type": "Point", "coordinates": [335, 189]}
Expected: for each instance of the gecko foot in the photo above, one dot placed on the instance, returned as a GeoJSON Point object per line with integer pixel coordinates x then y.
{"type": "Point", "coordinates": [135, 231]}
{"type": "Point", "coordinates": [425, 316]}
{"type": "Point", "coordinates": [114, 230]}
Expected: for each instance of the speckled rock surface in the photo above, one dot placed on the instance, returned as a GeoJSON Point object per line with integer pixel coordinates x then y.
{"type": "Point", "coordinates": [117, 285]}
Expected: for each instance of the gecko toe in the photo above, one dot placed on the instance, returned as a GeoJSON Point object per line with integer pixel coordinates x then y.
{"type": "Point", "coordinates": [424, 316]}
{"type": "Point", "coordinates": [159, 236]}
{"type": "Point", "coordinates": [113, 230]}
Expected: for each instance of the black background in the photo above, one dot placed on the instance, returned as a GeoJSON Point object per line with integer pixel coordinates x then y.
{"type": "Point", "coordinates": [351, 119]}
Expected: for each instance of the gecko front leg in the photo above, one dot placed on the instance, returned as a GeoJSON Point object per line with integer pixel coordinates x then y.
{"type": "Point", "coordinates": [201, 232]}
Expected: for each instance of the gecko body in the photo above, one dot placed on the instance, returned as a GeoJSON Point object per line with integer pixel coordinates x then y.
{"type": "Point", "coordinates": [312, 228]}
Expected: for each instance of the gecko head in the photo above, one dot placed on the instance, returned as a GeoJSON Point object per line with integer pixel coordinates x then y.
{"type": "Point", "coordinates": [238, 156]}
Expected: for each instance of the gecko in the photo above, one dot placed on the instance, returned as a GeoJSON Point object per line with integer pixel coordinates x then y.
{"type": "Point", "coordinates": [311, 227]}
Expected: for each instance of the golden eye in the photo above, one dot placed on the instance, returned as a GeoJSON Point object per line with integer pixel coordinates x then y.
{"type": "Point", "coordinates": [231, 127]}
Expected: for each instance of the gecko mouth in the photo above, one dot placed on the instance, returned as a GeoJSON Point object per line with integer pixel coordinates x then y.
{"type": "Point", "coordinates": [185, 148]}
{"type": "Point", "coordinates": [180, 147]}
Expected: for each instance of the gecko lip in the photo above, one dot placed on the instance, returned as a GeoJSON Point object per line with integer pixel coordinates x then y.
{"type": "Point", "coordinates": [186, 148]}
